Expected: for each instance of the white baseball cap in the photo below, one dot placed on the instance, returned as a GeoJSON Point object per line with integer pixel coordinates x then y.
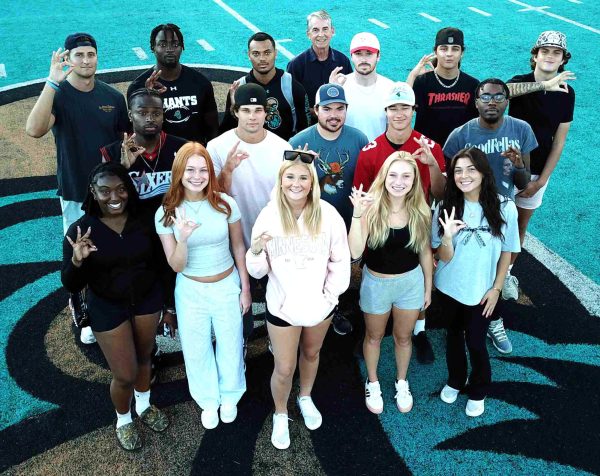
{"type": "Point", "coordinates": [402, 93]}
{"type": "Point", "coordinates": [365, 41]}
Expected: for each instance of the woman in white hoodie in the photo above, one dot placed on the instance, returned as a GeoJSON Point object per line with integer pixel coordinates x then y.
{"type": "Point", "coordinates": [300, 241]}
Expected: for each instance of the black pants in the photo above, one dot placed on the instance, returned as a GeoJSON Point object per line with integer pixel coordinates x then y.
{"type": "Point", "coordinates": [257, 296]}
{"type": "Point", "coordinates": [467, 325]}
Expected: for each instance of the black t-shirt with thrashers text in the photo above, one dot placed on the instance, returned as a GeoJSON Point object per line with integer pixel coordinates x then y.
{"type": "Point", "coordinates": [440, 110]}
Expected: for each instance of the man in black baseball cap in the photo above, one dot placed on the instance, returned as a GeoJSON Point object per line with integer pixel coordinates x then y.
{"type": "Point", "coordinates": [84, 114]}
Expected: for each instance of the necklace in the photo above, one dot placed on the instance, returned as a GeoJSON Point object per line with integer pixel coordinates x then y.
{"type": "Point", "coordinates": [153, 169]}
{"type": "Point", "coordinates": [447, 86]}
{"type": "Point", "coordinates": [197, 208]}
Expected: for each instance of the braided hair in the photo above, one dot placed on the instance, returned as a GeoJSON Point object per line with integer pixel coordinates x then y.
{"type": "Point", "coordinates": [90, 205]}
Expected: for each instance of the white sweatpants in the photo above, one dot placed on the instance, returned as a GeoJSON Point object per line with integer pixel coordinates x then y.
{"type": "Point", "coordinates": [213, 378]}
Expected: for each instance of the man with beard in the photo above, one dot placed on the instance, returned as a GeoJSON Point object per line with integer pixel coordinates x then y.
{"type": "Point", "coordinates": [190, 110]}
{"type": "Point", "coordinates": [337, 146]}
{"type": "Point", "coordinates": [499, 137]}
{"type": "Point", "coordinates": [287, 104]}
{"type": "Point", "coordinates": [312, 67]}
{"type": "Point", "coordinates": [84, 113]}
{"type": "Point", "coordinates": [366, 90]}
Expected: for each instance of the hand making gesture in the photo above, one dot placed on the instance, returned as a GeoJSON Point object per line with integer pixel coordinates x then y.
{"type": "Point", "coordinates": [82, 246]}
{"type": "Point", "coordinates": [130, 151]}
{"type": "Point", "coordinates": [60, 66]}
{"type": "Point", "coordinates": [154, 84]}
{"type": "Point", "coordinates": [514, 155]}
{"type": "Point", "coordinates": [423, 66]}
{"type": "Point", "coordinates": [183, 226]}
{"type": "Point", "coordinates": [423, 154]}
{"type": "Point", "coordinates": [362, 201]}
{"type": "Point", "coordinates": [232, 89]}
{"type": "Point", "coordinates": [450, 225]}
{"type": "Point", "coordinates": [336, 77]}
{"type": "Point", "coordinates": [259, 242]}
{"type": "Point", "coordinates": [235, 157]}
{"type": "Point", "coordinates": [558, 83]}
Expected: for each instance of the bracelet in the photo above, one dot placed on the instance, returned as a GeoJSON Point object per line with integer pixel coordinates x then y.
{"type": "Point", "coordinates": [53, 84]}
{"type": "Point", "coordinates": [356, 217]}
{"type": "Point", "coordinates": [255, 253]}
{"type": "Point", "coordinates": [170, 310]}
{"type": "Point", "coordinates": [496, 289]}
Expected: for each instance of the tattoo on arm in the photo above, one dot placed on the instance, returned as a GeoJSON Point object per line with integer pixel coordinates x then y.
{"type": "Point", "coordinates": [519, 89]}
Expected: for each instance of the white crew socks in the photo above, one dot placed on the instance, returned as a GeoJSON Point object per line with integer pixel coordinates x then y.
{"type": "Point", "coordinates": [123, 419]}
{"type": "Point", "coordinates": [142, 401]}
{"type": "Point", "coordinates": [419, 326]}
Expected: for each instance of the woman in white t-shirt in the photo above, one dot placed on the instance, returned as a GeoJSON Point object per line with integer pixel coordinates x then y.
{"type": "Point", "coordinates": [201, 234]}
{"type": "Point", "coordinates": [474, 230]}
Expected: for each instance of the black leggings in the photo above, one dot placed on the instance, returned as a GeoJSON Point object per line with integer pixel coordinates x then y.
{"type": "Point", "coordinates": [467, 325]}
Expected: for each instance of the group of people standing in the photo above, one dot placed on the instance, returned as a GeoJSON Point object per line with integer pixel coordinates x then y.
{"type": "Point", "coordinates": [184, 219]}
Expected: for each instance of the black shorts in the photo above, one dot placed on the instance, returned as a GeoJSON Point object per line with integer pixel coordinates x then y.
{"type": "Point", "coordinates": [276, 321]}
{"type": "Point", "coordinates": [107, 315]}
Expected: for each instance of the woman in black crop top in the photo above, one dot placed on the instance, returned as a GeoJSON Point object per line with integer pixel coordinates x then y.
{"type": "Point", "coordinates": [393, 222]}
{"type": "Point", "coordinates": [110, 250]}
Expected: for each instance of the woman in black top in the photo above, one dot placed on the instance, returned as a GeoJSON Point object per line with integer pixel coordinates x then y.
{"type": "Point", "coordinates": [110, 250]}
{"type": "Point", "coordinates": [393, 221]}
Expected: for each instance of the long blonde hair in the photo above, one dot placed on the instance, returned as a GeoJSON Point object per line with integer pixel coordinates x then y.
{"type": "Point", "coordinates": [419, 214]}
{"type": "Point", "coordinates": [312, 209]}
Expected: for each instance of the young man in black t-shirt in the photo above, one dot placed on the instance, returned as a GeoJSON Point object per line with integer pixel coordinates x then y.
{"type": "Point", "coordinates": [190, 110]}
{"type": "Point", "coordinates": [445, 96]}
{"type": "Point", "coordinates": [287, 103]}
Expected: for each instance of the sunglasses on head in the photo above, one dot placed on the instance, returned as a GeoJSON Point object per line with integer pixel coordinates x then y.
{"type": "Point", "coordinates": [297, 154]}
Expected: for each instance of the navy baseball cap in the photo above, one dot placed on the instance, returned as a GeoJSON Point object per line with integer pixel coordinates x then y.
{"type": "Point", "coordinates": [80, 39]}
{"type": "Point", "coordinates": [329, 93]}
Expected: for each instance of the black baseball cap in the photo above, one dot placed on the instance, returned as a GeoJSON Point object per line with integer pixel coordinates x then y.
{"type": "Point", "coordinates": [80, 39]}
{"type": "Point", "coordinates": [250, 94]}
{"type": "Point", "coordinates": [450, 36]}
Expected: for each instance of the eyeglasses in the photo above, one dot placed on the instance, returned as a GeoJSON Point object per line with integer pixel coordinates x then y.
{"type": "Point", "coordinates": [498, 98]}
{"type": "Point", "coordinates": [296, 154]}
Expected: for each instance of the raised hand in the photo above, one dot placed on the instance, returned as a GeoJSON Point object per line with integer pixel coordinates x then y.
{"type": "Point", "coordinates": [232, 89]}
{"type": "Point", "coordinates": [450, 225]}
{"type": "Point", "coordinates": [259, 242]}
{"type": "Point", "coordinates": [423, 66]}
{"type": "Point", "coordinates": [82, 246]}
{"type": "Point", "coordinates": [58, 63]}
{"type": "Point", "coordinates": [558, 83]}
{"type": "Point", "coordinates": [235, 157]}
{"type": "Point", "coordinates": [336, 77]}
{"type": "Point", "coordinates": [183, 226]}
{"type": "Point", "coordinates": [423, 154]}
{"type": "Point", "coordinates": [514, 155]}
{"type": "Point", "coordinates": [362, 201]}
{"type": "Point", "coordinates": [153, 82]}
{"type": "Point", "coordinates": [130, 151]}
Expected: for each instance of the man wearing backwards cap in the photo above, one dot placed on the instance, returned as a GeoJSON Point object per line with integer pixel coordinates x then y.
{"type": "Point", "coordinates": [247, 161]}
{"type": "Point", "coordinates": [445, 96]}
{"type": "Point", "coordinates": [84, 114]}
{"type": "Point", "coordinates": [365, 89]}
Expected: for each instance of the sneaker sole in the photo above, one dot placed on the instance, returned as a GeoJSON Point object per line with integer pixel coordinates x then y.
{"type": "Point", "coordinates": [474, 414]}
{"type": "Point", "coordinates": [404, 410]}
{"type": "Point", "coordinates": [448, 400]}
{"type": "Point", "coordinates": [498, 348]}
{"type": "Point", "coordinates": [280, 447]}
{"type": "Point", "coordinates": [374, 410]}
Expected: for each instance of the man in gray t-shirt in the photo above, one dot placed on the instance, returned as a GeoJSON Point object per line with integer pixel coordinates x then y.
{"type": "Point", "coordinates": [500, 137]}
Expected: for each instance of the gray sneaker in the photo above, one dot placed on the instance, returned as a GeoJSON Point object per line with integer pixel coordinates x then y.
{"type": "Point", "coordinates": [510, 290]}
{"type": "Point", "coordinates": [498, 336]}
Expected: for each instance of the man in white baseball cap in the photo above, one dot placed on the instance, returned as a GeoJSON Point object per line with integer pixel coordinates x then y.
{"type": "Point", "coordinates": [366, 90]}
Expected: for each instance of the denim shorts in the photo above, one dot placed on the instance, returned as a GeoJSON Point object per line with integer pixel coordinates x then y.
{"type": "Point", "coordinates": [403, 291]}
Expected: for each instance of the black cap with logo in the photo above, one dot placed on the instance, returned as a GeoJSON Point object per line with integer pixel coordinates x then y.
{"type": "Point", "coordinates": [449, 36]}
{"type": "Point", "coordinates": [80, 39]}
{"type": "Point", "coordinates": [250, 94]}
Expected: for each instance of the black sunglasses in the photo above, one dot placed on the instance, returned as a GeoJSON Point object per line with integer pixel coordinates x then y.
{"type": "Point", "coordinates": [297, 154]}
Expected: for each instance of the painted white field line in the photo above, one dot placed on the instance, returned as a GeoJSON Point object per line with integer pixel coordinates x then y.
{"type": "Point", "coordinates": [284, 40]}
{"type": "Point", "coordinates": [481, 12]}
{"type": "Point", "coordinates": [2, 71]}
{"type": "Point", "coordinates": [206, 45]}
{"type": "Point", "coordinates": [558, 17]}
{"type": "Point", "coordinates": [575, 1]}
{"type": "Point", "coordinates": [533, 9]}
{"type": "Point", "coordinates": [586, 290]}
{"type": "Point", "coordinates": [140, 53]}
{"type": "Point", "coordinates": [429, 17]}
{"type": "Point", "coordinates": [251, 26]}
{"type": "Point", "coordinates": [375, 21]}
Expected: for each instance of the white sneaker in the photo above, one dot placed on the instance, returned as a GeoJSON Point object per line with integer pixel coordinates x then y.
{"type": "Point", "coordinates": [209, 418]}
{"type": "Point", "coordinates": [404, 399]}
{"type": "Point", "coordinates": [510, 289]}
{"type": "Point", "coordinates": [475, 408]}
{"type": "Point", "coordinates": [228, 412]}
{"type": "Point", "coordinates": [312, 416]}
{"type": "Point", "coordinates": [373, 398]}
{"type": "Point", "coordinates": [87, 336]}
{"type": "Point", "coordinates": [449, 394]}
{"type": "Point", "coordinates": [281, 433]}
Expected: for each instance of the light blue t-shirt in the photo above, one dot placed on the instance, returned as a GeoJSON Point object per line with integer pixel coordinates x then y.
{"type": "Point", "coordinates": [472, 270]}
{"type": "Point", "coordinates": [513, 132]}
{"type": "Point", "coordinates": [208, 246]}
{"type": "Point", "coordinates": [335, 165]}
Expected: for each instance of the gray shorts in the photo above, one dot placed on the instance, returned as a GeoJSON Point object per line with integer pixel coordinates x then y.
{"type": "Point", "coordinates": [404, 291]}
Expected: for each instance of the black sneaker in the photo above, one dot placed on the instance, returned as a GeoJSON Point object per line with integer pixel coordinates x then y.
{"type": "Point", "coordinates": [423, 348]}
{"type": "Point", "coordinates": [341, 325]}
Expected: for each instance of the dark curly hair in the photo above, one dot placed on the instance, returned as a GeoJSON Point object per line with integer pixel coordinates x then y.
{"type": "Point", "coordinates": [488, 196]}
{"type": "Point", "coordinates": [114, 169]}
{"type": "Point", "coordinates": [166, 27]}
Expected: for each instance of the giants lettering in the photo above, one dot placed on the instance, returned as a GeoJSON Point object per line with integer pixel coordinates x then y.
{"type": "Point", "coordinates": [435, 98]}
{"type": "Point", "coordinates": [181, 101]}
